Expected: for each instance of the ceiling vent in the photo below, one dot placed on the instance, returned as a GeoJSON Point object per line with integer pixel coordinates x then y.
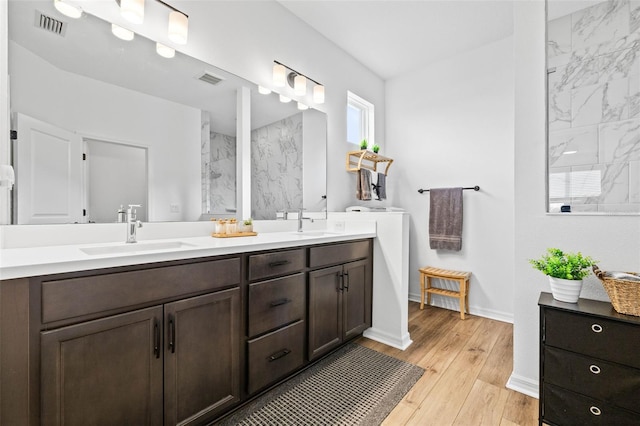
{"type": "Point", "coordinates": [210, 78]}
{"type": "Point", "coordinates": [50, 24]}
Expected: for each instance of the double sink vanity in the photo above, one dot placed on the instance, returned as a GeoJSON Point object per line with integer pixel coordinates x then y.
{"type": "Point", "coordinates": [173, 331]}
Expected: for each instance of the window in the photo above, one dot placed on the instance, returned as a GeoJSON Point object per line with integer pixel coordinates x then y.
{"type": "Point", "coordinates": [360, 120]}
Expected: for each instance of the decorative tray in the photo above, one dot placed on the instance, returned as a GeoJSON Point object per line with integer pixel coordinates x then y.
{"type": "Point", "coordinates": [235, 234]}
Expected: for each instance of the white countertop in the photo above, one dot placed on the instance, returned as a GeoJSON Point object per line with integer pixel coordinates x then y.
{"type": "Point", "coordinates": [33, 261]}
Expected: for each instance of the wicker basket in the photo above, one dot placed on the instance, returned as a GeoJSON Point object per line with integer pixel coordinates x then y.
{"type": "Point", "coordinates": [624, 294]}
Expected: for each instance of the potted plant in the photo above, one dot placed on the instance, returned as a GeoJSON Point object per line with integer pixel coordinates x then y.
{"type": "Point", "coordinates": [375, 148]}
{"type": "Point", "coordinates": [247, 225]}
{"type": "Point", "coordinates": [364, 144]}
{"type": "Point", "coordinates": [566, 272]}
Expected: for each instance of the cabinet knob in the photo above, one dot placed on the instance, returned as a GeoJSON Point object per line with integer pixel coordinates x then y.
{"type": "Point", "coordinates": [594, 369]}
{"type": "Point", "coordinates": [595, 410]}
{"type": "Point", "coordinates": [597, 328]}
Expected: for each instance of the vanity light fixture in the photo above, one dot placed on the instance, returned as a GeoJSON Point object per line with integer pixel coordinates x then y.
{"type": "Point", "coordinates": [132, 10]}
{"type": "Point", "coordinates": [122, 33]}
{"type": "Point", "coordinates": [264, 90]}
{"type": "Point", "coordinates": [297, 80]}
{"type": "Point", "coordinates": [165, 51]}
{"type": "Point", "coordinates": [284, 99]}
{"type": "Point", "coordinates": [178, 26]}
{"type": "Point", "coordinates": [67, 9]}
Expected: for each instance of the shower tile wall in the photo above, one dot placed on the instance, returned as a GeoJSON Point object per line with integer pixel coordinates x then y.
{"type": "Point", "coordinates": [594, 108]}
{"type": "Point", "coordinates": [276, 167]}
{"type": "Point", "coordinates": [218, 174]}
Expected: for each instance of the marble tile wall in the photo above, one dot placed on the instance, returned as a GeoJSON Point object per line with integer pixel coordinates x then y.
{"type": "Point", "coordinates": [218, 161]}
{"type": "Point", "coordinates": [594, 108]}
{"type": "Point", "coordinates": [276, 167]}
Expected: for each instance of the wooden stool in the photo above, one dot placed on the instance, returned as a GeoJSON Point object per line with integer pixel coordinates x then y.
{"type": "Point", "coordinates": [429, 272]}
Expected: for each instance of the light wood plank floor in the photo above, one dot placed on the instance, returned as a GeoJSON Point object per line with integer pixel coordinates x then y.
{"type": "Point", "coordinates": [467, 364]}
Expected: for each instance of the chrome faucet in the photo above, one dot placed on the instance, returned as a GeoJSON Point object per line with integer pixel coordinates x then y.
{"type": "Point", "coordinates": [300, 219]}
{"type": "Point", "coordinates": [132, 223]}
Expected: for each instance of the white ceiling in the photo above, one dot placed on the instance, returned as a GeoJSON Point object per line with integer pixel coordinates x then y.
{"type": "Point", "coordinates": [392, 37]}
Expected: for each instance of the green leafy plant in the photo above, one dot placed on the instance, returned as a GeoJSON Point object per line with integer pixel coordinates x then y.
{"type": "Point", "coordinates": [375, 148]}
{"type": "Point", "coordinates": [248, 222]}
{"type": "Point", "coordinates": [364, 144]}
{"type": "Point", "coordinates": [558, 264]}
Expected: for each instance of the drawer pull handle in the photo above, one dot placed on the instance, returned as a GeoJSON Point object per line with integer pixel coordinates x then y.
{"type": "Point", "coordinates": [597, 328]}
{"type": "Point", "coordinates": [595, 410]}
{"type": "Point", "coordinates": [280, 302]}
{"type": "Point", "coordinates": [594, 369]}
{"type": "Point", "coordinates": [156, 339]}
{"type": "Point", "coordinates": [279, 354]}
{"type": "Point", "coordinates": [172, 334]}
{"type": "Point", "coordinates": [278, 263]}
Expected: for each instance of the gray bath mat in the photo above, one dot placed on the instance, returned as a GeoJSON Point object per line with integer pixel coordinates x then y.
{"type": "Point", "coordinates": [353, 386]}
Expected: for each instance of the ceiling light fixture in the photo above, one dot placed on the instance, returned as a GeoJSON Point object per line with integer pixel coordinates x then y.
{"type": "Point", "coordinates": [284, 99]}
{"type": "Point", "coordinates": [165, 51]}
{"type": "Point", "coordinates": [264, 90]}
{"type": "Point", "coordinates": [132, 10]}
{"type": "Point", "coordinates": [297, 80]}
{"type": "Point", "coordinates": [122, 33]}
{"type": "Point", "coordinates": [67, 9]}
{"type": "Point", "coordinates": [302, 106]}
{"type": "Point", "coordinates": [178, 26]}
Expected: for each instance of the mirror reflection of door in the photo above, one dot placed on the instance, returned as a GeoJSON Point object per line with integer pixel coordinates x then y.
{"type": "Point", "coordinates": [48, 163]}
{"type": "Point", "coordinates": [126, 169]}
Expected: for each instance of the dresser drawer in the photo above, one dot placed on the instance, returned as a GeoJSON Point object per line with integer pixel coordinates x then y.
{"type": "Point", "coordinates": [338, 253]}
{"type": "Point", "coordinates": [598, 337]}
{"type": "Point", "coordinates": [613, 383]}
{"type": "Point", "coordinates": [274, 355]}
{"type": "Point", "coordinates": [563, 407]}
{"type": "Point", "coordinates": [269, 265]}
{"type": "Point", "coordinates": [275, 303]}
{"type": "Point", "coordinates": [76, 297]}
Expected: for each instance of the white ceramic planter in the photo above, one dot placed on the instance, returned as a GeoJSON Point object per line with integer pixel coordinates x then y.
{"type": "Point", "coordinates": [565, 290]}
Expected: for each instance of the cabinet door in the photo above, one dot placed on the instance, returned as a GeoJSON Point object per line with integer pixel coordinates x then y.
{"type": "Point", "coordinates": [104, 372]}
{"type": "Point", "coordinates": [325, 310]}
{"type": "Point", "coordinates": [202, 368]}
{"type": "Point", "coordinates": [356, 296]}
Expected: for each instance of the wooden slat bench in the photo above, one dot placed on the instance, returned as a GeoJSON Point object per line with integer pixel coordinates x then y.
{"type": "Point", "coordinates": [461, 277]}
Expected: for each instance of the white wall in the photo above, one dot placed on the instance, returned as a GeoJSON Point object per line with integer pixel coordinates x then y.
{"type": "Point", "coordinates": [451, 124]}
{"type": "Point", "coordinates": [106, 112]}
{"type": "Point", "coordinates": [245, 37]}
{"type": "Point", "coordinates": [613, 240]}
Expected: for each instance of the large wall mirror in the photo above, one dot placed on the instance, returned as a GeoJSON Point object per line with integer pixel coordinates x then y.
{"type": "Point", "coordinates": [593, 69]}
{"type": "Point", "coordinates": [104, 122]}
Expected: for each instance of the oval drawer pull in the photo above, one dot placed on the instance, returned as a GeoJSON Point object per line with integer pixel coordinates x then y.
{"type": "Point", "coordinates": [597, 328]}
{"type": "Point", "coordinates": [594, 369]}
{"type": "Point", "coordinates": [595, 410]}
{"type": "Point", "coordinates": [278, 263]}
{"type": "Point", "coordinates": [280, 302]}
{"type": "Point", "coordinates": [279, 354]}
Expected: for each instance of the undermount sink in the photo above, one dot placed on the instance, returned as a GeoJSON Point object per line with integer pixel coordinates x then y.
{"type": "Point", "coordinates": [135, 247]}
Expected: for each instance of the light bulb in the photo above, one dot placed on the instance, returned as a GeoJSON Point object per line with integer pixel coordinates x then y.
{"type": "Point", "coordinates": [67, 9]}
{"type": "Point", "coordinates": [264, 90]}
{"type": "Point", "coordinates": [165, 51]}
{"type": "Point", "coordinates": [122, 33]}
{"type": "Point", "coordinates": [279, 75]}
{"type": "Point", "coordinates": [132, 10]}
{"type": "Point", "coordinates": [300, 85]}
{"type": "Point", "coordinates": [284, 99]}
{"type": "Point", "coordinates": [178, 27]}
{"type": "Point", "coordinates": [318, 94]}
{"type": "Point", "coordinates": [302, 106]}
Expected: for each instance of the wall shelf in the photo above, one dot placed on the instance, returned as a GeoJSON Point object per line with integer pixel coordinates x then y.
{"type": "Point", "coordinates": [363, 159]}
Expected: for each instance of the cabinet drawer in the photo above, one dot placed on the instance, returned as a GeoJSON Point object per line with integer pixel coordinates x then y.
{"type": "Point", "coordinates": [274, 355]}
{"type": "Point", "coordinates": [613, 383]}
{"type": "Point", "coordinates": [275, 303]}
{"type": "Point", "coordinates": [273, 264]}
{"type": "Point", "coordinates": [563, 407]}
{"type": "Point", "coordinates": [598, 337]}
{"type": "Point", "coordinates": [76, 297]}
{"type": "Point", "coordinates": [338, 253]}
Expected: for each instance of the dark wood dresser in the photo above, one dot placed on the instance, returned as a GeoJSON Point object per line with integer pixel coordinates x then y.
{"type": "Point", "coordinates": [589, 364]}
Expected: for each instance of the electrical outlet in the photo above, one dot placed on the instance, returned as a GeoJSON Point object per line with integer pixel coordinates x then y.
{"type": "Point", "coordinates": [339, 226]}
{"type": "Point", "coordinates": [175, 208]}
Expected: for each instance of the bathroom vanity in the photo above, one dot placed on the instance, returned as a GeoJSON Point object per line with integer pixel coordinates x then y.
{"type": "Point", "coordinates": [181, 340]}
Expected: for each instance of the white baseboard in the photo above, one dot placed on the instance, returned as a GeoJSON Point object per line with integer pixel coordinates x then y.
{"type": "Point", "coordinates": [473, 310]}
{"type": "Point", "coordinates": [387, 339]}
{"type": "Point", "coordinates": [524, 385]}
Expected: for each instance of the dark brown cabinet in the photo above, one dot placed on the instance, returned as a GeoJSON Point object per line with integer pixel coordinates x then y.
{"type": "Point", "coordinates": [339, 296]}
{"type": "Point", "coordinates": [589, 364]}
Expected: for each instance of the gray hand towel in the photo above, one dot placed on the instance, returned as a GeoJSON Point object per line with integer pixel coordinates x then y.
{"type": "Point", "coordinates": [363, 192]}
{"type": "Point", "coordinates": [445, 219]}
{"type": "Point", "coordinates": [381, 187]}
